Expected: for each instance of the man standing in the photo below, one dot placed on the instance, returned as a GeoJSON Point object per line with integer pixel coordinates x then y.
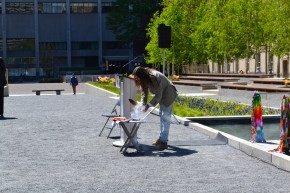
{"type": "Point", "coordinates": [3, 82]}
{"type": "Point", "coordinates": [74, 82]}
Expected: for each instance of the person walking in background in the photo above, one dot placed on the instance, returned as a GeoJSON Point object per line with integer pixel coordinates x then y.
{"type": "Point", "coordinates": [258, 71]}
{"type": "Point", "coordinates": [165, 94]}
{"type": "Point", "coordinates": [3, 82]}
{"type": "Point", "coordinates": [74, 82]}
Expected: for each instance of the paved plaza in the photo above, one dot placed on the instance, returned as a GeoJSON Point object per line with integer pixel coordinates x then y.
{"type": "Point", "coordinates": [50, 143]}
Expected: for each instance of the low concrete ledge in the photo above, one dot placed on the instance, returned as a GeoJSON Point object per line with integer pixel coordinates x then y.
{"type": "Point", "coordinates": [254, 150]}
{"type": "Point", "coordinates": [281, 161]}
{"type": "Point", "coordinates": [204, 129]}
{"type": "Point", "coordinates": [182, 120]}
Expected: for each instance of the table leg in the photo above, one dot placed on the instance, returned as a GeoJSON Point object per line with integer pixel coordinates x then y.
{"type": "Point", "coordinates": [130, 137]}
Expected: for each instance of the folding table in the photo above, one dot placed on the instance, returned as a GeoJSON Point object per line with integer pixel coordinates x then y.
{"type": "Point", "coordinates": [130, 134]}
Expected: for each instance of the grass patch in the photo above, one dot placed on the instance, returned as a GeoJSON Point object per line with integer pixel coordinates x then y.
{"type": "Point", "coordinates": [106, 86]}
{"type": "Point", "coordinates": [188, 106]}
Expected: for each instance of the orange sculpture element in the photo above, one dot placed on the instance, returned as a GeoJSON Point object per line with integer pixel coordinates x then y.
{"type": "Point", "coordinates": [175, 77]}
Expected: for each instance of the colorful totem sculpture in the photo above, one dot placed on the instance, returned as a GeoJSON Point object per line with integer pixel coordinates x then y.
{"type": "Point", "coordinates": [284, 125]}
{"type": "Point", "coordinates": [256, 119]}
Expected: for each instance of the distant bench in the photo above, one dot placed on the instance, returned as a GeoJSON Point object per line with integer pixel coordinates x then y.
{"type": "Point", "coordinates": [230, 75]}
{"type": "Point", "coordinates": [211, 78]}
{"type": "Point", "coordinates": [254, 88]}
{"type": "Point", "coordinates": [203, 84]}
{"type": "Point", "coordinates": [58, 91]}
{"type": "Point", "coordinates": [271, 81]}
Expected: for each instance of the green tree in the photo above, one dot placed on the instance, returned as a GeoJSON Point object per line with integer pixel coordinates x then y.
{"type": "Point", "coordinates": [129, 19]}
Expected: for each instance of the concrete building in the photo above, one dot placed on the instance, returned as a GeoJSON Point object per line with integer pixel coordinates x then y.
{"type": "Point", "coordinates": [41, 37]}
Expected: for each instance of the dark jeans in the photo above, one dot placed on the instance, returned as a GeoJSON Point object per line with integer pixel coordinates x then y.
{"type": "Point", "coordinates": [1, 100]}
{"type": "Point", "coordinates": [74, 88]}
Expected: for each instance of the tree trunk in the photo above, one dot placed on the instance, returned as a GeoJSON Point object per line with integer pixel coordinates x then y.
{"type": "Point", "coordinates": [278, 67]}
{"type": "Point", "coordinates": [237, 66]}
{"type": "Point", "coordinates": [247, 65]}
{"type": "Point", "coordinates": [266, 60]}
{"type": "Point", "coordinates": [173, 69]}
{"type": "Point", "coordinates": [257, 55]}
{"type": "Point", "coordinates": [247, 59]}
{"type": "Point", "coordinates": [269, 60]}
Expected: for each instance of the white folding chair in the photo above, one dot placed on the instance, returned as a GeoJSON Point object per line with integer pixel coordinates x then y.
{"type": "Point", "coordinates": [114, 113]}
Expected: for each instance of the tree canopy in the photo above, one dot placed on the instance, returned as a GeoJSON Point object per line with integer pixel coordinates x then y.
{"type": "Point", "coordinates": [129, 20]}
{"type": "Point", "coordinates": [220, 30]}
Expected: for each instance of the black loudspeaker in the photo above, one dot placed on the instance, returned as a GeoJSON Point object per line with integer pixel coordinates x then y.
{"type": "Point", "coordinates": [164, 36]}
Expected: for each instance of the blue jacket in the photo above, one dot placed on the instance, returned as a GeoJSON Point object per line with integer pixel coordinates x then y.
{"type": "Point", "coordinates": [74, 81]}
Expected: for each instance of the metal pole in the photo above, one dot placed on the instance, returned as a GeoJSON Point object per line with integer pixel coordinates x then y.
{"type": "Point", "coordinates": [163, 60]}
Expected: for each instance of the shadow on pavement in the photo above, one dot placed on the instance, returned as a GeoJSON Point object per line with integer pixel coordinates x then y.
{"type": "Point", "coordinates": [149, 150]}
{"type": "Point", "coordinates": [6, 118]}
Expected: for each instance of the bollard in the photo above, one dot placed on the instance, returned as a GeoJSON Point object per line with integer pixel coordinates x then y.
{"type": "Point", "coordinates": [6, 91]}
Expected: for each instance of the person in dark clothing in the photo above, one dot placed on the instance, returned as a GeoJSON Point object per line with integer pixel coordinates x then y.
{"type": "Point", "coordinates": [74, 82]}
{"type": "Point", "coordinates": [3, 82]}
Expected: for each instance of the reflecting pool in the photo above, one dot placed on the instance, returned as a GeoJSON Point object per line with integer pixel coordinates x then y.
{"type": "Point", "coordinates": [242, 127]}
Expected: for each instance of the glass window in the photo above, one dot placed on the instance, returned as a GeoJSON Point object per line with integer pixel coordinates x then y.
{"type": "Point", "coordinates": [51, 8]}
{"type": "Point", "coordinates": [20, 44]}
{"type": "Point", "coordinates": [19, 8]}
{"type": "Point", "coordinates": [52, 46]}
{"type": "Point", "coordinates": [21, 60]}
{"type": "Point", "coordinates": [84, 45]}
{"type": "Point", "coordinates": [107, 7]}
{"type": "Point", "coordinates": [115, 45]}
{"type": "Point", "coordinates": [84, 7]}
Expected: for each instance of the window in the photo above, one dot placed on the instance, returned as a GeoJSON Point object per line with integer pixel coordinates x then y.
{"type": "Point", "coordinates": [115, 45]}
{"type": "Point", "coordinates": [19, 8]}
{"type": "Point", "coordinates": [20, 44]}
{"type": "Point", "coordinates": [51, 8]}
{"type": "Point", "coordinates": [21, 60]}
{"type": "Point", "coordinates": [52, 46]}
{"type": "Point", "coordinates": [84, 45]}
{"type": "Point", "coordinates": [107, 7]}
{"type": "Point", "coordinates": [84, 7]}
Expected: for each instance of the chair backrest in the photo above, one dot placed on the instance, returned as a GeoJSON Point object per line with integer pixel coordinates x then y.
{"type": "Point", "coordinates": [118, 103]}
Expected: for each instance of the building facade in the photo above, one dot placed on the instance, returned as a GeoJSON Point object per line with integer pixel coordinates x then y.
{"type": "Point", "coordinates": [265, 62]}
{"type": "Point", "coordinates": [49, 37]}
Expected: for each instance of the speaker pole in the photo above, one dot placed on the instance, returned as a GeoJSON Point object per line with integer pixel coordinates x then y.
{"type": "Point", "coordinates": [163, 60]}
